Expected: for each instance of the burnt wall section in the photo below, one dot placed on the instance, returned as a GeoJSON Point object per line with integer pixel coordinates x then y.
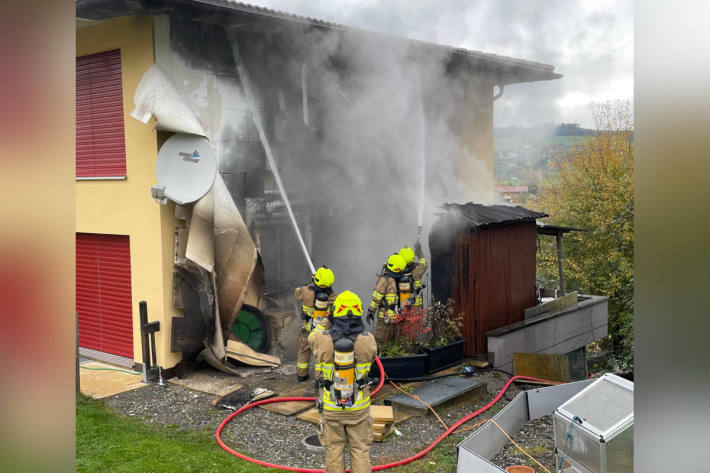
{"type": "Point", "coordinates": [344, 114]}
{"type": "Point", "coordinates": [199, 55]}
{"type": "Point", "coordinates": [442, 239]}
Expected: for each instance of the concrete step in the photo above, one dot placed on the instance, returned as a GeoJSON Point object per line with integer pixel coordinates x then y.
{"type": "Point", "coordinates": [439, 394]}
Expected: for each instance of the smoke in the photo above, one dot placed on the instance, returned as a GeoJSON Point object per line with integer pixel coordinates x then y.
{"type": "Point", "coordinates": [344, 115]}
{"type": "Point", "coordinates": [366, 185]}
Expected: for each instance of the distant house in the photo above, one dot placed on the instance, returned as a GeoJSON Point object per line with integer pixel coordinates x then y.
{"type": "Point", "coordinates": [511, 194]}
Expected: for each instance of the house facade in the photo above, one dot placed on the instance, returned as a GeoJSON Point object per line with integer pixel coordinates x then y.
{"type": "Point", "coordinates": [325, 150]}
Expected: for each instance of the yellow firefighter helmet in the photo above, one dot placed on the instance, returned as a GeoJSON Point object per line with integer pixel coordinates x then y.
{"type": "Point", "coordinates": [324, 277]}
{"type": "Point", "coordinates": [347, 303]}
{"type": "Point", "coordinates": [407, 254]}
{"type": "Point", "coordinates": [396, 263]}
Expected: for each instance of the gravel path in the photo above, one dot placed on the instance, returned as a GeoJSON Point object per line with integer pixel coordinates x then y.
{"type": "Point", "coordinates": [536, 436]}
{"type": "Point", "coordinates": [276, 438]}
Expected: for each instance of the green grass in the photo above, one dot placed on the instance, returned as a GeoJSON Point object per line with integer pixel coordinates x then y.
{"type": "Point", "coordinates": [106, 441]}
{"type": "Point", "coordinates": [441, 459]}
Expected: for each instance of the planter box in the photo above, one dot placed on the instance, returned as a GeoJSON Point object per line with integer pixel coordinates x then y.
{"type": "Point", "coordinates": [444, 357]}
{"type": "Point", "coordinates": [412, 366]}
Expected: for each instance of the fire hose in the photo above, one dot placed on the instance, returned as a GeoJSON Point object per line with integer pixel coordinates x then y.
{"type": "Point", "coordinates": [386, 466]}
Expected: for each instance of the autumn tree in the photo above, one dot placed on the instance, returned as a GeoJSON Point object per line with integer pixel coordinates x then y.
{"type": "Point", "coordinates": [591, 187]}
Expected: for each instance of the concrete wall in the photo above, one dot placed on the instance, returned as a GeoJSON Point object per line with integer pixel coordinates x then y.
{"type": "Point", "coordinates": [485, 442]}
{"type": "Point", "coordinates": [556, 333]}
{"type": "Point", "coordinates": [125, 207]}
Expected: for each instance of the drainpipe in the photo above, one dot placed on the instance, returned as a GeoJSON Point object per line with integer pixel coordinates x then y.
{"type": "Point", "coordinates": [78, 378]}
{"type": "Point", "coordinates": [143, 309]}
{"type": "Point", "coordinates": [500, 92]}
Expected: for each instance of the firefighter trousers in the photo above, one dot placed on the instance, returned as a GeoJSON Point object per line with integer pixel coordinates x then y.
{"type": "Point", "coordinates": [355, 428]}
{"type": "Point", "coordinates": [384, 332]}
{"type": "Point", "coordinates": [303, 358]}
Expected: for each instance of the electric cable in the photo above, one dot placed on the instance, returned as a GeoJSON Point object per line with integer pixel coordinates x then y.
{"type": "Point", "coordinates": [463, 420]}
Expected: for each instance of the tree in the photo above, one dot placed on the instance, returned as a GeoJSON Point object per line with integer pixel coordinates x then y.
{"type": "Point", "coordinates": [591, 187]}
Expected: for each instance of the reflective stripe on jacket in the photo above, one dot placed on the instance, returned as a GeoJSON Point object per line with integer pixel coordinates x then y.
{"type": "Point", "coordinates": [365, 349]}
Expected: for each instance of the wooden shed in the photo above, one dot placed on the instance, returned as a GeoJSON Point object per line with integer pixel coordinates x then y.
{"type": "Point", "coordinates": [483, 256]}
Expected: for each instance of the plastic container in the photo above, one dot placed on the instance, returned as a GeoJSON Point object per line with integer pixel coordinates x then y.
{"type": "Point", "coordinates": [519, 469]}
{"type": "Point", "coordinates": [444, 357]}
{"type": "Point", "coordinates": [412, 366]}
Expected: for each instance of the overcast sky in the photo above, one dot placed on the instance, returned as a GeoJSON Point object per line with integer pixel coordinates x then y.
{"type": "Point", "coordinates": [590, 42]}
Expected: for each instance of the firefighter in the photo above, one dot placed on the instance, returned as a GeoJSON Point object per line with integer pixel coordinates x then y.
{"type": "Point", "coordinates": [385, 301]}
{"type": "Point", "coordinates": [415, 269]}
{"type": "Point", "coordinates": [344, 354]}
{"type": "Point", "coordinates": [316, 298]}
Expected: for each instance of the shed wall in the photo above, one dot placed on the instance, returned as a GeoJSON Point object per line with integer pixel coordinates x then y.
{"type": "Point", "coordinates": [493, 279]}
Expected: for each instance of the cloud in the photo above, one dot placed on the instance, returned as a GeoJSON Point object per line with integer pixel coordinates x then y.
{"type": "Point", "coordinates": [590, 43]}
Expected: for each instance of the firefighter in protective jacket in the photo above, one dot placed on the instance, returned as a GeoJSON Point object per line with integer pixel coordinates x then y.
{"type": "Point", "coordinates": [316, 298]}
{"type": "Point", "coordinates": [344, 354]}
{"type": "Point", "coordinates": [385, 301]}
{"type": "Point", "coordinates": [415, 269]}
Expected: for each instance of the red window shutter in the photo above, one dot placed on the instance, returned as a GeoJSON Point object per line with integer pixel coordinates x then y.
{"type": "Point", "coordinates": [103, 293]}
{"type": "Point", "coordinates": [100, 140]}
{"type": "Point", "coordinates": [88, 304]}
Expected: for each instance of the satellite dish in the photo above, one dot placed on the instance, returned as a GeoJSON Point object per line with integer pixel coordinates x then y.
{"type": "Point", "coordinates": [186, 168]}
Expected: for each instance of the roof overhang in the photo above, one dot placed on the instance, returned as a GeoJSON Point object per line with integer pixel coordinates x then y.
{"type": "Point", "coordinates": [550, 229]}
{"type": "Point", "coordinates": [500, 70]}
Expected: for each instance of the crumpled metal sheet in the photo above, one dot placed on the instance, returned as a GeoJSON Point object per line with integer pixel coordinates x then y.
{"type": "Point", "coordinates": [157, 95]}
{"type": "Point", "coordinates": [237, 260]}
{"type": "Point", "coordinates": [200, 239]}
{"type": "Point", "coordinates": [218, 252]}
{"type": "Point", "coordinates": [219, 242]}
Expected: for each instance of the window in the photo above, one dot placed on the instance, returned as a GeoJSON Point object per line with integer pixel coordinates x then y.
{"type": "Point", "coordinates": [100, 142]}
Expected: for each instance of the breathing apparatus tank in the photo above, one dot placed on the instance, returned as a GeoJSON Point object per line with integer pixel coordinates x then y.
{"type": "Point", "coordinates": [320, 309]}
{"type": "Point", "coordinates": [343, 387]}
{"type": "Point", "coordinates": [405, 287]}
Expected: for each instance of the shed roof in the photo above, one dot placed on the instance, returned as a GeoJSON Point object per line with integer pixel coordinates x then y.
{"type": "Point", "coordinates": [485, 216]}
{"type": "Point", "coordinates": [510, 70]}
{"type": "Point", "coordinates": [551, 229]}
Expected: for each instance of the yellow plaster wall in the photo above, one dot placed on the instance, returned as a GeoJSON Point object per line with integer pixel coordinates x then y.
{"type": "Point", "coordinates": [125, 207]}
{"type": "Point", "coordinates": [475, 132]}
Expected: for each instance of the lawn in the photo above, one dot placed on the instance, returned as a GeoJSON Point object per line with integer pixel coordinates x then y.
{"type": "Point", "coordinates": [106, 441]}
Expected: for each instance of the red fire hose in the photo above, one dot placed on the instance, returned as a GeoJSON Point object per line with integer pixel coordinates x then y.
{"type": "Point", "coordinates": [419, 455]}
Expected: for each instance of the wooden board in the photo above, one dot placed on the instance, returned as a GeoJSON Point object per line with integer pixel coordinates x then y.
{"type": "Point", "coordinates": [102, 383]}
{"type": "Point", "coordinates": [379, 427]}
{"type": "Point", "coordinates": [311, 415]}
{"type": "Point", "coordinates": [244, 354]}
{"type": "Point", "coordinates": [287, 408]}
{"type": "Point", "coordinates": [539, 365]}
{"type": "Point", "coordinates": [381, 436]}
{"type": "Point", "coordinates": [208, 382]}
{"type": "Point", "coordinates": [382, 414]}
